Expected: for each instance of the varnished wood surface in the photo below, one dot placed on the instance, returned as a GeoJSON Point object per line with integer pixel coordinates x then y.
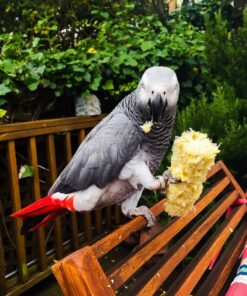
{"type": "Point", "coordinates": [46, 123]}
{"type": "Point", "coordinates": [32, 157]}
{"type": "Point", "coordinates": [225, 190]}
{"type": "Point", "coordinates": [42, 128]}
{"type": "Point", "coordinates": [3, 283]}
{"type": "Point", "coordinates": [165, 267]}
{"type": "Point", "coordinates": [115, 238]}
{"type": "Point", "coordinates": [16, 204]}
{"type": "Point", "coordinates": [189, 278]}
{"type": "Point", "coordinates": [132, 264]}
{"type": "Point", "coordinates": [41, 140]}
{"type": "Point", "coordinates": [86, 216]}
{"type": "Point", "coordinates": [73, 216]}
{"type": "Point", "coordinates": [106, 244]}
{"type": "Point", "coordinates": [52, 165]}
{"type": "Point", "coordinates": [83, 275]}
{"type": "Point", "coordinates": [223, 268]}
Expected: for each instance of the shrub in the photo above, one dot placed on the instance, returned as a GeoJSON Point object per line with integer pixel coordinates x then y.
{"type": "Point", "coordinates": [221, 118]}
{"type": "Point", "coordinates": [36, 68]}
{"type": "Point", "coordinates": [194, 13]}
{"type": "Point", "coordinates": [226, 54]}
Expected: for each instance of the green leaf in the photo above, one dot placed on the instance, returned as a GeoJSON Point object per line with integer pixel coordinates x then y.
{"type": "Point", "coordinates": [78, 78]}
{"type": "Point", "coordinates": [96, 83]}
{"type": "Point", "coordinates": [131, 62]}
{"type": "Point", "coordinates": [108, 85]}
{"type": "Point", "coordinates": [4, 89]}
{"type": "Point", "coordinates": [33, 86]}
{"type": "Point", "coordinates": [54, 27]}
{"type": "Point", "coordinates": [87, 77]}
{"type": "Point", "coordinates": [37, 56]}
{"type": "Point", "coordinates": [40, 70]}
{"type": "Point", "coordinates": [147, 45]}
{"type": "Point", "coordinates": [2, 101]}
{"type": "Point", "coordinates": [9, 65]}
{"type": "Point", "coordinates": [86, 93]}
{"type": "Point", "coordinates": [58, 93]}
{"type": "Point", "coordinates": [2, 113]}
{"type": "Point", "coordinates": [104, 14]}
{"type": "Point", "coordinates": [35, 41]}
{"type": "Point", "coordinates": [26, 171]}
{"type": "Point", "coordinates": [58, 55]}
{"type": "Point", "coordinates": [60, 66]}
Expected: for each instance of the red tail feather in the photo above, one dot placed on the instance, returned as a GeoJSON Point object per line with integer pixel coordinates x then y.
{"type": "Point", "coordinates": [47, 219]}
{"type": "Point", "coordinates": [47, 208]}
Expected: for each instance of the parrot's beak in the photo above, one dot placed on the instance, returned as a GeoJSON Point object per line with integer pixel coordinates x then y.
{"type": "Point", "coordinates": [157, 107]}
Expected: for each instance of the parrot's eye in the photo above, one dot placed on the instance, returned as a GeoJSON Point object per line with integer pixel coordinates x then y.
{"type": "Point", "coordinates": [152, 92]}
{"type": "Point", "coordinates": [164, 92]}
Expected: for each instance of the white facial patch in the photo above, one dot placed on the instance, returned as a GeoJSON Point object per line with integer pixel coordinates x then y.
{"type": "Point", "coordinates": [159, 80]}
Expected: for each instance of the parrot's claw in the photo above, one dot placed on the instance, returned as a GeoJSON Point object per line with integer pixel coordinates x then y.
{"type": "Point", "coordinates": [144, 211]}
{"type": "Point", "coordinates": [169, 178]}
{"type": "Point", "coordinates": [166, 179]}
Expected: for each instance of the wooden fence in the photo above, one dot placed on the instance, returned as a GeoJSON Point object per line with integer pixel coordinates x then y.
{"type": "Point", "coordinates": [47, 145]}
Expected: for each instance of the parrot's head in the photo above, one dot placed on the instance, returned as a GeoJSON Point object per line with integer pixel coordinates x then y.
{"type": "Point", "coordinates": [158, 91]}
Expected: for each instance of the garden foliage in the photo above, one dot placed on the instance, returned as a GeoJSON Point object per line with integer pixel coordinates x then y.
{"type": "Point", "coordinates": [220, 116]}
{"type": "Point", "coordinates": [221, 110]}
{"type": "Point", "coordinates": [39, 65]}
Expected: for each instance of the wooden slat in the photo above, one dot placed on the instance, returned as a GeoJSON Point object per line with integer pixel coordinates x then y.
{"type": "Point", "coordinates": [16, 205]}
{"type": "Point", "coordinates": [84, 275]}
{"type": "Point", "coordinates": [32, 157]}
{"type": "Point", "coordinates": [109, 216]}
{"type": "Point", "coordinates": [57, 271]}
{"type": "Point", "coordinates": [112, 240]}
{"type": "Point", "coordinates": [233, 181]}
{"type": "Point", "coordinates": [117, 214]}
{"type": "Point", "coordinates": [16, 289]}
{"type": "Point", "coordinates": [98, 221]}
{"type": "Point", "coordinates": [51, 157]}
{"type": "Point", "coordinates": [32, 125]}
{"type": "Point", "coordinates": [3, 283]}
{"type": "Point", "coordinates": [215, 169]}
{"type": "Point", "coordinates": [216, 279]}
{"type": "Point", "coordinates": [46, 131]}
{"type": "Point", "coordinates": [73, 216]}
{"type": "Point", "coordinates": [159, 273]}
{"type": "Point", "coordinates": [86, 216]}
{"type": "Point", "coordinates": [201, 262]}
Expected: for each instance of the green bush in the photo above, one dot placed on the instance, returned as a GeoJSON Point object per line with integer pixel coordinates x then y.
{"type": "Point", "coordinates": [36, 68]}
{"type": "Point", "coordinates": [221, 118]}
{"type": "Point", "coordinates": [226, 53]}
{"type": "Point", "coordinates": [194, 13]}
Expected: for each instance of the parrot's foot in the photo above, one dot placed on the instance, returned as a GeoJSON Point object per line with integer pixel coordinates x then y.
{"type": "Point", "coordinates": [143, 211]}
{"type": "Point", "coordinates": [169, 178]}
{"type": "Point", "coordinates": [166, 179]}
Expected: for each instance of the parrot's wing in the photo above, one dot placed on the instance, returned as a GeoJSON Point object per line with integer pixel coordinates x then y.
{"type": "Point", "coordinates": [102, 155]}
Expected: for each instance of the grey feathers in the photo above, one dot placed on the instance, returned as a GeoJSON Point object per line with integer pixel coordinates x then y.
{"type": "Point", "coordinates": [100, 158]}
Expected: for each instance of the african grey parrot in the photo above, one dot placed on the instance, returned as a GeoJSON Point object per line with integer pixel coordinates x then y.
{"type": "Point", "coordinates": [118, 158]}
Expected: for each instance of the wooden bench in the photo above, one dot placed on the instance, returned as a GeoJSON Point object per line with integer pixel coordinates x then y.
{"type": "Point", "coordinates": [195, 235]}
